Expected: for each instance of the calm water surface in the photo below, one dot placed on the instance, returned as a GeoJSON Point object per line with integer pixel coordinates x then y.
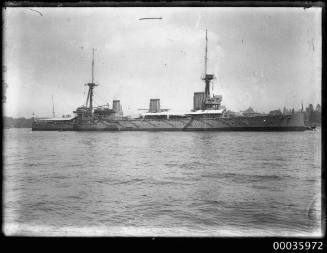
{"type": "Point", "coordinates": [162, 183]}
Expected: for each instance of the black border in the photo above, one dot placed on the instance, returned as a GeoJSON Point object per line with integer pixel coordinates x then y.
{"type": "Point", "coordinates": [263, 244]}
{"type": "Point", "coordinates": [304, 4]}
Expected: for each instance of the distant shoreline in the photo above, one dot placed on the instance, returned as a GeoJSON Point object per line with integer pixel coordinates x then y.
{"type": "Point", "coordinates": [9, 122]}
{"type": "Point", "coordinates": [15, 127]}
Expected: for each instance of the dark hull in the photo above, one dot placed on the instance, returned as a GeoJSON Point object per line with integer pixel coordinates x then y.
{"type": "Point", "coordinates": [263, 123]}
{"type": "Point", "coordinates": [233, 129]}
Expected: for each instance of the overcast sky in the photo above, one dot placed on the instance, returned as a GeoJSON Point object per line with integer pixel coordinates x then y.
{"type": "Point", "coordinates": [265, 58]}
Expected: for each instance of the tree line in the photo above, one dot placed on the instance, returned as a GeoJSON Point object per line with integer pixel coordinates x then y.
{"type": "Point", "coordinates": [9, 122]}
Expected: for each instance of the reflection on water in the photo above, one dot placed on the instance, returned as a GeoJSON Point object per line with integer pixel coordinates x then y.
{"type": "Point", "coordinates": [166, 183]}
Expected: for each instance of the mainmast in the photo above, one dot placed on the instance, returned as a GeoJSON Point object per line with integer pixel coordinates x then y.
{"type": "Point", "coordinates": [207, 77]}
{"type": "Point", "coordinates": [91, 86]}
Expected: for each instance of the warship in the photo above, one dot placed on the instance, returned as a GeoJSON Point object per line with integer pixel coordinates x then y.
{"type": "Point", "coordinates": [208, 114]}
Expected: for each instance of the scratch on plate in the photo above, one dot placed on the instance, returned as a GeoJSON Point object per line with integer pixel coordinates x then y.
{"type": "Point", "coordinates": [36, 11]}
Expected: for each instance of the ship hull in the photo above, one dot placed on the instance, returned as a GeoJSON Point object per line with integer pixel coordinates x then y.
{"type": "Point", "coordinates": [293, 122]}
{"type": "Point", "coordinates": [51, 126]}
{"type": "Point", "coordinates": [235, 129]}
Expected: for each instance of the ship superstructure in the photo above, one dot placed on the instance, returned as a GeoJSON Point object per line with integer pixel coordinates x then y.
{"type": "Point", "coordinates": [207, 115]}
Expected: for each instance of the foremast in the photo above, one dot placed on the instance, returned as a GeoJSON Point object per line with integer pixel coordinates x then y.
{"type": "Point", "coordinates": [92, 84]}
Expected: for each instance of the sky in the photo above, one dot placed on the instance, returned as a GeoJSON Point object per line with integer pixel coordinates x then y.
{"type": "Point", "coordinates": [266, 58]}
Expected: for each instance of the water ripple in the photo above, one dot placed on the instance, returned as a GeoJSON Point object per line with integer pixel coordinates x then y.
{"type": "Point", "coordinates": [166, 183]}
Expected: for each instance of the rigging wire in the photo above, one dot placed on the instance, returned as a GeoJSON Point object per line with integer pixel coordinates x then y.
{"type": "Point", "coordinates": [102, 100]}
{"type": "Point", "coordinates": [95, 103]}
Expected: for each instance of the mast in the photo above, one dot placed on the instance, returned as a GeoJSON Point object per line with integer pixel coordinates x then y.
{"type": "Point", "coordinates": [91, 86]}
{"type": "Point", "coordinates": [207, 77]}
{"type": "Point", "coordinates": [206, 54]}
{"type": "Point", "coordinates": [53, 111]}
{"type": "Point", "coordinates": [92, 64]}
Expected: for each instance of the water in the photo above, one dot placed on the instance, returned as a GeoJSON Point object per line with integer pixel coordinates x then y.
{"type": "Point", "coordinates": [162, 183]}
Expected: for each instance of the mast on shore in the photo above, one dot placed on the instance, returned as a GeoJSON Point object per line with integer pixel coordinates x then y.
{"type": "Point", "coordinates": [91, 87]}
{"type": "Point", "coordinates": [53, 110]}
